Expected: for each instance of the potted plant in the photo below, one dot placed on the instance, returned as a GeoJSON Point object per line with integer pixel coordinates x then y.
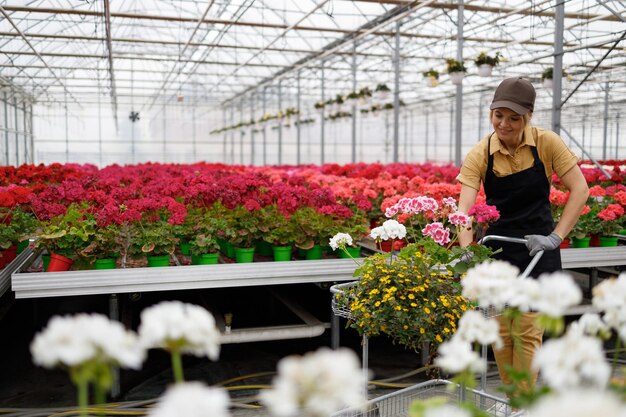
{"type": "Point", "coordinates": [456, 70]}
{"type": "Point", "coordinates": [357, 226]}
{"type": "Point", "coordinates": [313, 228]}
{"type": "Point", "coordinates": [547, 77]}
{"type": "Point", "coordinates": [65, 236]}
{"type": "Point", "coordinates": [104, 247]}
{"type": "Point", "coordinates": [319, 106]}
{"type": "Point", "coordinates": [486, 63]}
{"type": "Point", "coordinates": [241, 230]}
{"type": "Point", "coordinates": [204, 249]}
{"type": "Point", "coordinates": [155, 239]}
{"type": "Point", "coordinates": [382, 92]}
{"type": "Point", "coordinates": [278, 230]}
{"type": "Point", "coordinates": [364, 95]}
{"type": "Point", "coordinates": [432, 77]}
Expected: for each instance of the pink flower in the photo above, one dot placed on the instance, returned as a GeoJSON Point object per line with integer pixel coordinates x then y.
{"type": "Point", "coordinates": [440, 234]}
{"type": "Point", "coordinates": [484, 213]}
{"type": "Point", "coordinates": [460, 219]}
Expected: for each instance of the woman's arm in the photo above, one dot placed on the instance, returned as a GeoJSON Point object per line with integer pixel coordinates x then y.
{"type": "Point", "coordinates": [466, 201]}
{"type": "Point", "coordinates": [575, 182]}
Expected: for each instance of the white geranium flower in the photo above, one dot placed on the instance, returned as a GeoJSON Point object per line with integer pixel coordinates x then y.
{"type": "Point", "coordinates": [379, 233]}
{"type": "Point", "coordinates": [572, 361]}
{"type": "Point", "coordinates": [490, 283]}
{"type": "Point", "coordinates": [316, 384]}
{"type": "Point", "coordinates": [340, 240]}
{"type": "Point", "coordinates": [447, 410]}
{"type": "Point", "coordinates": [558, 291]}
{"type": "Point", "coordinates": [456, 356]}
{"type": "Point", "coordinates": [579, 403]}
{"type": "Point", "coordinates": [525, 292]}
{"type": "Point", "coordinates": [74, 340]}
{"type": "Point", "coordinates": [590, 324]}
{"type": "Point", "coordinates": [390, 229]}
{"type": "Point", "coordinates": [192, 399]}
{"type": "Point", "coordinates": [610, 294]}
{"type": "Point", "coordinates": [475, 327]}
{"type": "Point", "coordinates": [187, 327]}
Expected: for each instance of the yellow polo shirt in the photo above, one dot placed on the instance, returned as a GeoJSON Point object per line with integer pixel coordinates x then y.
{"type": "Point", "coordinates": [553, 152]}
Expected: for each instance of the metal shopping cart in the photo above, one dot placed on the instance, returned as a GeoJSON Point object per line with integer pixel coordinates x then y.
{"type": "Point", "coordinates": [397, 403]}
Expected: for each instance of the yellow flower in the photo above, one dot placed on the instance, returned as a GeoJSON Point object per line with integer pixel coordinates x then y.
{"type": "Point", "coordinates": [427, 310]}
{"type": "Point", "coordinates": [432, 303]}
{"type": "Point", "coordinates": [413, 304]}
{"type": "Point", "coordinates": [446, 330]}
{"type": "Point", "coordinates": [411, 296]}
{"type": "Point", "coordinates": [377, 304]}
{"type": "Point", "coordinates": [406, 327]}
{"type": "Point", "coordinates": [398, 308]}
{"type": "Point", "coordinates": [438, 339]}
{"type": "Point", "coordinates": [422, 331]}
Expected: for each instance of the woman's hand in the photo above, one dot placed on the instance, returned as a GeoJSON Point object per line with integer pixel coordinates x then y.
{"type": "Point", "coordinates": [535, 243]}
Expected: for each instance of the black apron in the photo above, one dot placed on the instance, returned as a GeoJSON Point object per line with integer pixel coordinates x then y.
{"type": "Point", "coordinates": [523, 200]}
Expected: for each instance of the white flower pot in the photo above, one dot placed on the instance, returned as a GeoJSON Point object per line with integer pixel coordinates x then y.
{"type": "Point", "coordinates": [547, 82]}
{"type": "Point", "coordinates": [456, 77]}
{"type": "Point", "coordinates": [382, 95]}
{"type": "Point", "coordinates": [485, 70]}
{"type": "Point", "coordinates": [431, 81]}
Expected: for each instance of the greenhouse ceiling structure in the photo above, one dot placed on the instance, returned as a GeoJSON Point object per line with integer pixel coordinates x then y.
{"type": "Point", "coordinates": [224, 64]}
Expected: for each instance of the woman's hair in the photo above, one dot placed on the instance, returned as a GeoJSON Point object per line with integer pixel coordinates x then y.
{"type": "Point", "coordinates": [526, 117]}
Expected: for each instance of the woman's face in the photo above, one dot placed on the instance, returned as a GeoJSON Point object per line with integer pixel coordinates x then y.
{"type": "Point", "coordinates": [508, 125]}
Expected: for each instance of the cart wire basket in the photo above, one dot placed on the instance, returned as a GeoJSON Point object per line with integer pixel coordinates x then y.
{"type": "Point", "coordinates": [397, 403]}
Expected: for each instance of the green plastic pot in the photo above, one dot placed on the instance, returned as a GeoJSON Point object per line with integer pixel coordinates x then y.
{"type": "Point", "coordinates": [582, 242]}
{"type": "Point", "coordinates": [281, 253]}
{"type": "Point", "coordinates": [353, 252]}
{"type": "Point", "coordinates": [158, 260]}
{"type": "Point", "coordinates": [184, 248]}
{"type": "Point", "coordinates": [608, 241]}
{"type": "Point", "coordinates": [314, 253]}
{"type": "Point", "coordinates": [244, 255]}
{"type": "Point", "coordinates": [205, 259]}
{"type": "Point", "coordinates": [108, 263]}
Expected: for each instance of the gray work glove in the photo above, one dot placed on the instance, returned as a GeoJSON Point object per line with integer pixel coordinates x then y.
{"type": "Point", "coordinates": [535, 243]}
{"type": "Point", "coordinates": [466, 257]}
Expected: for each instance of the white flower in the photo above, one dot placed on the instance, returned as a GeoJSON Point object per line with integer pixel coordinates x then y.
{"type": "Point", "coordinates": [73, 340]}
{"type": "Point", "coordinates": [340, 240]}
{"type": "Point", "coordinates": [610, 294]}
{"type": "Point", "coordinates": [316, 384]}
{"type": "Point", "coordinates": [572, 361]}
{"type": "Point", "coordinates": [558, 291]}
{"type": "Point", "coordinates": [589, 324]}
{"type": "Point", "coordinates": [456, 356]}
{"type": "Point", "coordinates": [188, 327]}
{"type": "Point", "coordinates": [490, 283]}
{"type": "Point", "coordinates": [524, 293]}
{"type": "Point", "coordinates": [579, 403]}
{"type": "Point", "coordinates": [192, 399]}
{"type": "Point", "coordinates": [474, 327]}
{"type": "Point", "coordinates": [447, 410]}
{"type": "Point", "coordinates": [390, 229]}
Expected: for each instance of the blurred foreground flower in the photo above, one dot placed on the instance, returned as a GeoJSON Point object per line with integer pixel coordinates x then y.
{"type": "Point", "coordinates": [179, 328]}
{"type": "Point", "coordinates": [89, 345]}
{"type": "Point", "coordinates": [316, 384]}
{"type": "Point", "coordinates": [192, 399]}
{"type": "Point", "coordinates": [579, 403]}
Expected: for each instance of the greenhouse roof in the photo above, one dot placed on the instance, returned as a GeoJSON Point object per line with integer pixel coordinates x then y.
{"type": "Point", "coordinates": [219, 51]}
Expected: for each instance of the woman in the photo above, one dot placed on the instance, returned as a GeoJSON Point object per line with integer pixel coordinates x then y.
{"type": "Point", "coordinates": [515, 165]}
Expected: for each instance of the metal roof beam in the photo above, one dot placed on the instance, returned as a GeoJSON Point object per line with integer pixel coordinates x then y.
{"type": "Point", "coordinates": [107, 24]}
{"type": "Point", "coordinates": [8, 18]}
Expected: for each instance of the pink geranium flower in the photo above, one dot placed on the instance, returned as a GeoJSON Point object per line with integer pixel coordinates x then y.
{"type": "Point", "coordinates": [438, 232]}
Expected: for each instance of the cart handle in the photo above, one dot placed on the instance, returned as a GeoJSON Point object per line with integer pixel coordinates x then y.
{"type": "Point", "coordinates": [532, 263]}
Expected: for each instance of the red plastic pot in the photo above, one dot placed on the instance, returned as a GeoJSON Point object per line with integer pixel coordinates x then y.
{"type": "Point", "coordinates": [564, 244]}
{"type": "Point", "coordinates": [59, 263]}
{"type": "Point", "coordinates": [9, 254]}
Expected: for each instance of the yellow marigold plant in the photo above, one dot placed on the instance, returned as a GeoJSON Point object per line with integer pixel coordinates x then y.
{"type": "Point", "coordinates": [408, 297]}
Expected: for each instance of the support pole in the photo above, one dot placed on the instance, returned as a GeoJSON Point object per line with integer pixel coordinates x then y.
{"type": "Point", "coordinates": [193, 128]}
{"type": "Point", "coordinates": [557, 73]}
{"type": "Point", "coordinates": [114, 314]}
{"type": "Point", "coordinates": [605, 134]}
{"type": "Point", "coordinates": [242, 133]}
{"type": "Point", "coordinates": [396, 95]}
{"type": "Point", "coordinates": [426, 136]}
{"type": "Point", "coordinates": [617, 136]}
{"type": "Point", "coordinates": [264, 103]}
{"type": "Point", "coordinates": [164, 138]}
{"type": "Point", "coordinates": [252, 128]}
{"type": "Point", "coordinates": [459, 88]}
{"type": "Point", "coordinates": [99, 130]}
{"type": "Point", "coordinates": [17, 132]}
{"type": "Point", "coordinates": [67, 137]}
{"type": "Point", "coordinates": [298, 137]}
{"type": "Point", "coordinates": [322, 115]}
{"type": "Point", "coordinates": [280, 122]}
{"type": "Point", "coordinates": [224, 135]}
{"type": "Point", "coordinates": [6, 129]}
{"type": "Point", "coordinates": [353, 103]}
{"type": "Point", "coordinates": [232, 135]}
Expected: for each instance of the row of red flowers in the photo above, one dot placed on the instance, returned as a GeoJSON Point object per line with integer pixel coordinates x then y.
{"type": "Point", "coordinates": [151, 206]}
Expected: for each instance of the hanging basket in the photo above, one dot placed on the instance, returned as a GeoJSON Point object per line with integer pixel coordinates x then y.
{"type": "Point", "coordinates": [456, 77]}
{"type": "Point", "coordinates": [485, 70]}
{"type": "Point", "coordinates": [547, 83]}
